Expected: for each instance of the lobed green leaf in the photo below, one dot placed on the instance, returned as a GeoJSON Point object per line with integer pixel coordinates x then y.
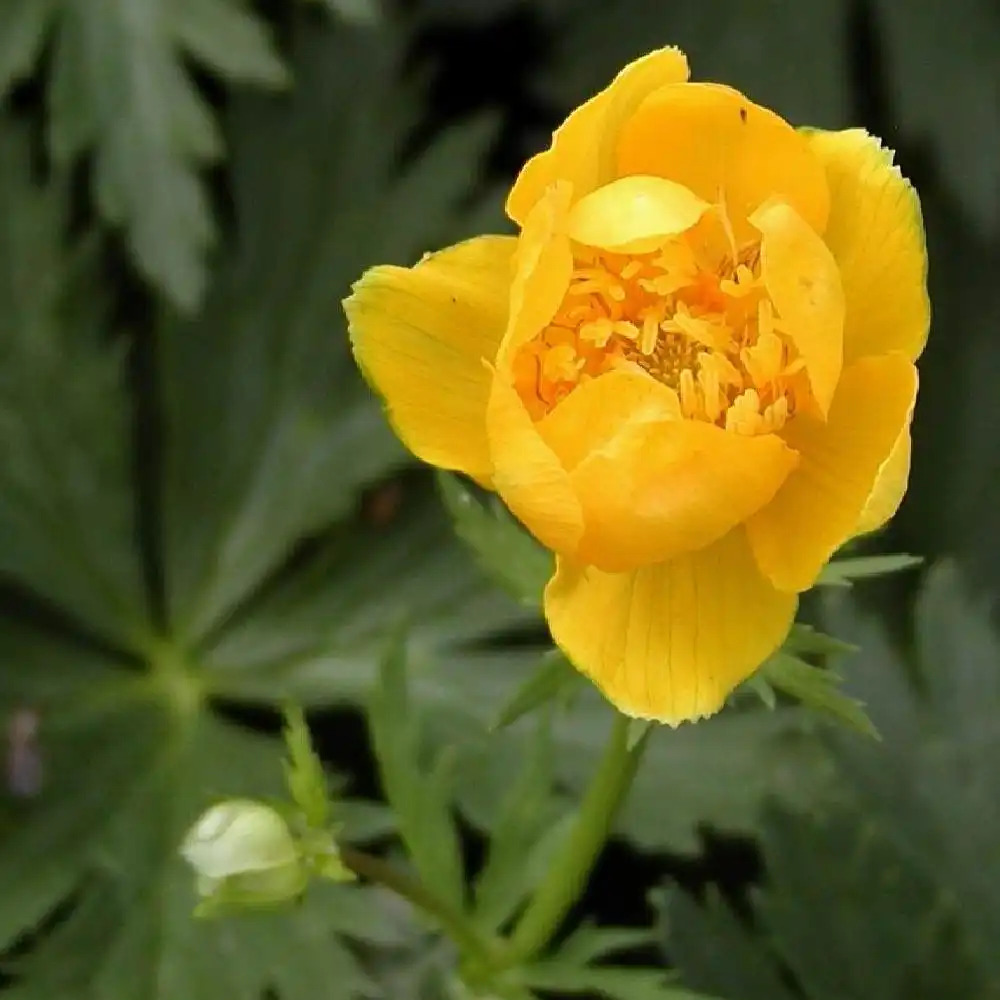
{"type": "Point", "coordinates": [505, 551]}
{"type": "Point", "coordinates": [419, 795]}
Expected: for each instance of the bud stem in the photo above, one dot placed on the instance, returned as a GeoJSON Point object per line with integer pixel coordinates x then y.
{"type": "Point", "coordinates": [568, 875]}
{"type": "Point", "coordinates": [453, 922]}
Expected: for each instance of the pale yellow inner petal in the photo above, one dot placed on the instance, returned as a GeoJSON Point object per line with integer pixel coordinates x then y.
{"type": "Point", "coordinates": [726, 149]}
{"type": "Point", "coordinates": [634, 214]}
{"type": "Point", "coordinates": [804, 285]}
{"type": "Point", "coordinates": [584, 147]}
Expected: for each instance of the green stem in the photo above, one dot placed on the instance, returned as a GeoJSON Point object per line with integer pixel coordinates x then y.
{"type": "Point", "coordinates": [453, 922]}
{"type": "Point", "coordinates": [571, 869]}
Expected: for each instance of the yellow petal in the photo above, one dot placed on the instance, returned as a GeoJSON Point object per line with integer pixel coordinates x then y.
{"type": "Point", "coordinates": [804, 283]}
{"type": "Point", "coordinates": [724, 147]}
{"type": "Point", "coordinates": [420, 335]}
{"type": "Point", "coordinates": [670, 641]}
{"type": "Point", "coordinates": [876, 234]}
{"type": "Point", "coordinates": [821, 503]}
{"type": "Point", "coordinates": [590, 417]}
{"type": "Point", "coordinates": [543, 265]}
{"type": "Point", "coordinates": [583, 147]}
{"type": "Point", "coordinates": [659, 489]}
{"type": "Point", "coordinates": [651, 485]}
{"type": "Point", "coordinates": [890, 486]}
{"type": "Point", "coordinates": [528, 475]}
{"type": "Point", "coordinates": [634, 214]}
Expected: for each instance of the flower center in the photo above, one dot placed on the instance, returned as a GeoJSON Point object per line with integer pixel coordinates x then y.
{"type": "Point", "coordinates": [707, 329]}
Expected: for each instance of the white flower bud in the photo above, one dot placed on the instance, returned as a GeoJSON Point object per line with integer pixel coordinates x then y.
{"type": "Point", "coordinates": [244, 855]}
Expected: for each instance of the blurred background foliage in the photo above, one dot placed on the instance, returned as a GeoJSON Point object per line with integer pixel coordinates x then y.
{"type": "Point", "coordinates": [202, 511]}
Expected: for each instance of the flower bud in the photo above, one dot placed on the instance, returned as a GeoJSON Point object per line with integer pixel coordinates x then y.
{"type": "Point", "coordinates": [244, 855]}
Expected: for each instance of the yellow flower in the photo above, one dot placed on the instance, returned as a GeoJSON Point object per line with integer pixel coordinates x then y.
{"type": "Point", "coordinates": [691, 375]}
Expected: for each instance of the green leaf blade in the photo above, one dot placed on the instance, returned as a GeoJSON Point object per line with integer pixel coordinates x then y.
{"type": "Point", "coordinates": [232, 41]}
{"type": "Point", "coordinates": [531, 825]}
{"type": "Point", "coordinates": [419, 795]}
{"type": "Point", "coordinates": [843, 572]}
{"type": "Point", "coordinates": [265, 409]}
{"type": "Point", "coordinates": [68, 519]}
{"type": "Point", "coordinates": [716, 953]}
{"type": "Point", "coordinates": [889, 889]}
{"type": "Point", "coordinates": [304, 772]}
{"type": "Point", "coordinates": [111, 832]}
{"type": "Point", "coordinates": [507, 553]}
{"type": "Point", "coordinates": [817, 689]}
{"type": "Point", "coordinates": [118, 85]}
{"type": "Point", "coordinates": [553, 678]}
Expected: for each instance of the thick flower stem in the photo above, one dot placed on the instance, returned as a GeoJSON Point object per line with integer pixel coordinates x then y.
{"type": "Point", "coordinates": [451, 921]}
{"type": "Point", "coordinates": [572, 866]}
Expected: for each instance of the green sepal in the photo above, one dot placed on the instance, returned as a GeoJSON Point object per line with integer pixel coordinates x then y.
{"type": "Point", "coordinates": [804, 640]}
{"type": "Point", "coordinates": [843, 572]}
{"type": "Point", "coordinates": [760, 687]}
{"type": "Point", "coordinates": [503, 549]}
{"type": "Point", "coordinates": [816, 688]}
{"type": "Point", "coordinates": [554, 678]}
{"type": "Point", "coordinates": [304, 772]}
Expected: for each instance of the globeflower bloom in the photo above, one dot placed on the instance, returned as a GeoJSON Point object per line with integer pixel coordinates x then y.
{"type": "Point", "coordinates": [691, 375]}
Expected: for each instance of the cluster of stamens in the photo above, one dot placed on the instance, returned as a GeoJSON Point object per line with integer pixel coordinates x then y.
{"type": "Point", "coordinates": [710, 333]}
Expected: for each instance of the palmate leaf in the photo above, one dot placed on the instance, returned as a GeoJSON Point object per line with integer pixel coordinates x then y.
{"type": "Point", "coordinates": [788, 56]}
{"type": "Point", "coordinates": [105, 835]}
{"type": "Point", "coordinates": [937, 788]}
{"type": "Point", "coordinates": [716, 952]}
{"type": "Point", "coordinates": [891, 892]}
{"type": "Point", "coordinates": [265, 411]}
{"type": "Point", "coordinates": [316, 635]}
{"type": "Point", "coordinates": [67, 518]}
{"type": "Point", "coordinates": [119, 90]}
{"type": "Point", "coordinates": [130, 752]}
{"type": "Point", "coordinates": [843, 910]}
